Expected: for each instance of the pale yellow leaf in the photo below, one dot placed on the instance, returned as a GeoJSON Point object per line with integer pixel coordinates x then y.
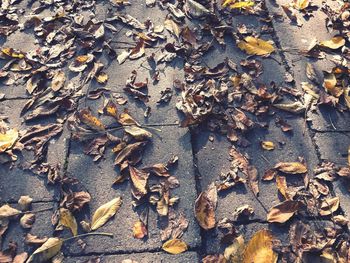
{"type": "Point", "coordinates": [256, 46]}
{"type": "Point", "coordinates": [8, 139]}
{"type": "Point", "coordinates": [330, 84]}
{"type": "Point", "coordinates": [267, 145]}
{"type": "Point", "coordinates": [7, 211]}
{"type": "Point", "coordinates": [301, 4]}
{"type": "Point", "coordinates": [174, 246]}
{"type": "Point", "coordinates": [47, 251]}
{"type": "Point", "coordinates": [282, 212]}
{"type": "Point", "coordinates": [68, 220]}
{"type": "Point", "coordinates": [105, 212]}
{"type": "Point", "coordinates": [329, 206]}
{"type": "Point", "coordinates": [334, 43]}
{"type": "Point", "coordinates": [138, 133]}
{"type": "Point", "coordinates": [234, 252]}
{"type": "Point", "coordinates": [291, 167]}
{"type": "Point", "coordinates": [242, 5]}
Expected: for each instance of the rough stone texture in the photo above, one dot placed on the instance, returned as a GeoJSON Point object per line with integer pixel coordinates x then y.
{"type": "Point", "coordinates": [187, 257]}
{"type": "Point", "coordinates": [97, 179]}
{"type": "Point", "coordinates": [41, 228]}
{"type": "Point", "coordinates": [294, 39]}
{"type": "Point", "coordinates": [333, 146]}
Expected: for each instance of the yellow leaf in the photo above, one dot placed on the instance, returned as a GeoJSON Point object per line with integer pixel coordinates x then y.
{"type": "Point", "coordinates": [90, 120]}
{"type": "Point", "coordinates": [267, 145]}
{"type": "Point", "coordinates": [234, 252]}
{"type": "Point", "coordinates": [283, 212]}
{"type": "Point", "coordinates": [227, 2]}
{"type": "Point", "coordinates": [329, 83]}
{"type": "Point", "coordinates": [139, 230]}
{"type": "Point", "coordinates": [242, 5]}
{"type": "Point", "coordinates": [256, 46]}
{"type": "Point", "coordinates": [12, 53]}
{"type": "Point", "coordinates": [329, 206]}
{"type": "Point", "coordinates": [334, 43]}
{"type": "Point", "coordinates": [171, 26]}
{"type": "Point", "coordinates": [7, 211]}
{"type": "Point", "coordinates": [125, 119]}
{"type": "Point", "coordinates": [291, 168]}
{"type": "Point", "coordinates": [68, 220]}
{"type": "Point", "coordinates": [8, 139]}
{"type": "Point", "coordinates": [301, 4]}
{"type": "Point", "coordinates": [102, 78]}
{"type": "Point", "coordinates": [138, 133]}
{"type": "Point", "coordinates": [47, 251]}
{"type": "Point", "coordinates": [259, 248]}
{"type": "Point", "coordinates": [281, 183]}
{"type": "Point", "coordinates": [105, 212]}
{"type": "Point", "coordinates": [174, 246]}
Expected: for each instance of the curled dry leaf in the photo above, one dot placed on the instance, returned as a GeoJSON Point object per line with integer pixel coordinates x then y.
{"type": "Point", "coordinates": [47, 251]}
{"type": "Point", "coordinates": [8, 139]}
{"type": "Point", "coordinates": [291, 167]}
{"type": "Point", "coordinates": [27, 220]}
{"type": "Point", "coordinates": [139, 230]}
{"type": "Point", "coordinates": [76, 200]}
{"type": "Point", "coordinates": [259, 248]}
{"type": "Point", "coordinates": [329, 206]}
{"type": "Point", "coordinates": [205, 207]}
{"type": "Point", "coordinates": [34, 240]}
{"type": "Point", "coordinates": [282, 212]}
{"type": "Point", "coordinates": [174, 246]}
{"type": "Point", "coordinates": [105, 212]}
{"type": "Point", "coordinates": [334, 43]}
{"type": "Point", "coordinates": [7, 211]}
{"type": "Point", "coordinates": [281, 183]}
{"type": "Point", "coordinates": [138, 133]}
{"type": "Point", "coordinates": [139, 180]}
{"type": "Point", "coordinates": [330, 84]}
{"type": "Point", "coordinates": [68, 220]}
{"type": "Point", "coordinates": [234, 252]}
{"type": "Point", "coordinates": [267, 145]}
{"type": "Point", "coordinates": [126, 152]}
{"type": "Point", "coordinates": [256, 46]}
{"type": "Point", "coordinates": [241, 4]}
{"type": "Point", "coordinates": [24, 202]}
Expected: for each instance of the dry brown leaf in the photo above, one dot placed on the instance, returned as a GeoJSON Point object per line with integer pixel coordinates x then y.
{"type": "Point", "coordinates": [68, 220]}
{"type": "Point", "coordinates": [102, 78]}
{"type": "Point", "coordinates": [139, 230]}
{"type": "Point", "coordinates": [234, 252]}
{"type": "Point", "coordinates": [259, 248]}
{"type": "Point", "coordinates": [27, 220]}
{"type": "Point", "coordinates": [58, 80]}
{"type": "Point", "coordinates": [34, 240]}
{"type": "Point", "coordinates": [269, 175]}
{"type": "Point", "coordinates": [282, 186]}
{"type": "Point", "coordinates": [330, 84]}
{"type": "Point", "coordinates": [139, 180]}
{"type": "Point", "coordinates": [329, 206]}
{"type": "Point", "coordinates": [267, 145]}
{"type": "Point", "coordinates": [138, 133]}
{"type": "Point", "coordinates": [87, 118]}
{"type": "Point", "coordinates": [282, 212]}
{"type": "Point", "coordinates": [291, 167]}
{"type": "Point", "coordinates": [334, 43]}
{"type": "Point", "coordinates": [105, 212]}
{"type": "Point", "coordinates": [7, 211]}
{"type": "Point", "coordinates": [127, 151]}
{"type": "Point", "coordinates": [8, 139]}
{"type": "Point", "coordinates": [125, 119]}
{"type": "Point", "coordinates": [174, 246]}
{"type": "Point", "coordinates": [47, 251]}
{"type": "Point", "coordinates": [24, 202]}
{"type": "Point", "coordinates": [294, 107]}
{"type": "Point", "coordinates": [205, 207]}
{"type": "Point", "coordinates": [256, 46]}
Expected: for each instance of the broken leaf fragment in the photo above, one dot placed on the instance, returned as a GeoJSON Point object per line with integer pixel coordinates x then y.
{"type": "Point", "coordinates": [291, 167]}
{"type": "Point", "coordinates": [205, 207]}
{"type": "Point", "coordinates": [282, 212]}
{"type": "Point", "coordinates": [234, 252]}
{"type": "Point", "coordinates": [256, 46]}
{"type": "Point", "coordinates": [105, 212]}
{"type": "Point", "coordinates": [333, 43]}
{"type": "Point", "coordinates": [8, 139]}
{"type": "Point", "coordinates": [259, 248]}
{"type": "Point", "coordinates": [174, 246]}
{"type": "Point", "coordinates": [329, 206]}
{"type": "Point", "coordinates": [268, 145]}
{"type": "Point", "coordinates": [139, 230]}
{"type": "Point", "coordinates": [47, 251]}
{"type": "Point", "coordinates": [68, 220]}
{"type": "Point", "coordinates": [330, 84]}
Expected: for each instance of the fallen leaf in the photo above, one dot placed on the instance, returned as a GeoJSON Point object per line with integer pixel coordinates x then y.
{"type": "Point", "coordinates": [205, 206]}
{"type": "Point", "coordinates": [139, 230]}
{"type": "Point", "coordinates": [24, 202]}
{"type": "Point", "coordinates": [138, 133]}
{"type": "Point", "coordinates": [101, 77]}
{"type": "Point", "coordinates": [8, 139]}
{"type": "Point", "coordinates": [27, 220]}
{"type": "Point", "coordinates": [214, 259]}
{"type": "Point", "coordinates": [242, 5]}
{"type": "Point", "coordinates": [234, 252]}
{"type": "Point", "coordinates": [267, 145]}
{"type": "Point", "coordinates": [139, 180]}
{"type": "Point", "coordinates": [330, 84]}
{"type": "Point", "coordinates": [256, 46]}
{"type": "Point", "coordinates": [68, 220]}
{"type": "Point", "coordinates": [282, 212]}
{"type": "Point", "coordinates": [329, 206]}
{"type": "Point", "coordinates": [105, 212]}
{"type": "Point", "coordinates": [291, 167]}
{"type": "Point", "coordinates": [87, 118]}
{"type": "Point", "coordinates": [34, 240]}
{"type": "Point", "coordinates": [47, 251]}
{"type": "Point", "coordinates": [259, 248]}
{"type": "Point", "coordinates": [301, 4]}
{"type": "Point", "coordinates": [76, 200]}
{"type": "Point", "coordinates": [7, 211]}
{"type": "Point", "coordinates": [126, 152]}
{"type": "Point", "coordinates": [281, 183]}
{"type": "Point", "coordinates": [58, 80]}
{"type": "Point", "coordinates": [174, 246]}
{"type": "Point", "coordinates": [294, 107]}
{"type": "Point", "coordinates": [334, 43]}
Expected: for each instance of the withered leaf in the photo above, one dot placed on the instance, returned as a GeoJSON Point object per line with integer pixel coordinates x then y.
{"type": "Point", "coordinates": [25, 201]}
{"type": "Point", "coordinates": [138, 133]}
{"type": "Point", "coordinates": [126, 152]}
{"type": "Point", "coordinates": [205, 207]}
{"type": "Point", "coordinates": [139, 180]}
{"type": "Point", "coordinates": [256, 46]}
{"type": "Point", "coordinates": [7, 211]}
{"type": "Point", "coordinates": [282, 212]}
{"type": "Point", "coordinates": [27, 220]}
{"type": "Point", "coordinates": [58, 80]}
{"type": "Point", "coordinates": [291, 167]}
{"type": "Point", "coordinates": [34, 240]}
{"type": "Point", "coordinates": [87, 118]}
{"type": "Point", "coordinates": [8, 139]}
{"type": "Point", "coordinates": [334, 43]}
{"type": "Point", "coordinates": [105, 212]}
{"type": "Point", "coordinates": [68, 220]}
{"type": "Point", "coordinates": [139, 230]}
{"type": "Point", "coordinates": [234, 252]}
{"type": "Point", "coordinates": [76, 200]}
{"type": "Point", "coordinates": [214, 259]}
{"type": "Point", "coordinates": [47, 251]}
{"type": "Point", "coordinates": [329, 206]}
{"type": "Point", "coordinates": [268, 145]}
{"type": "Point", "coordinates": [175, 246]}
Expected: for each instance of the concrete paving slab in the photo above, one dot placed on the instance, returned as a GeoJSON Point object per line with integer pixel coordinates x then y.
{"type": "Point", "coordinates": [98, 179]}
{"type": "Point", "coordinates": [333, 146]}
{"type": "Point", "coordinates": [156, 257]}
